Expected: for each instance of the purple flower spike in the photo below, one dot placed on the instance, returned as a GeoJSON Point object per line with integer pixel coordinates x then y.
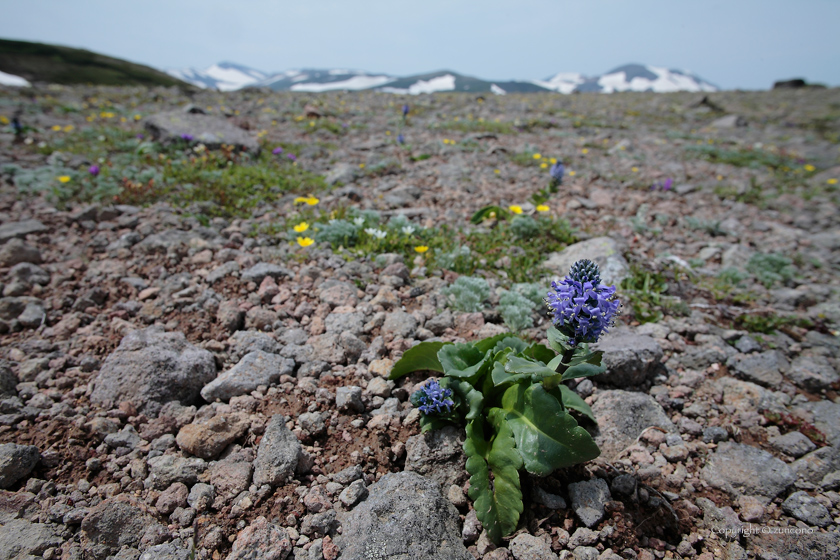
{"type": "Point", "coordinates": [93, 170]}
{"type": "Point", "coordinates": [187, 137]}
{"type": "Point", "coordinates": [433, 399]}
{"type": "Point", "coordinates": [400, 139]}
{"type": "Point", "coordinates": [140, 136]}
{"type": "Point", "coordinates": [666, 186]}
{"type": "Point", "coordinates": [405, 109]}
{"type": "Point", "coordinates": [292, 157]}
{"type": "Point", "coordinates": [583, 309]}
{"type": "Point", "coordinates": [277, 151]}
{"type": "Point", "coordinates": [557, 170]}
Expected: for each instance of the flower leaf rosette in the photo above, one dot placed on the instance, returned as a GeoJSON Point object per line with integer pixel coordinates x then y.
{"type": "Point", "coordinates": [511, 399]}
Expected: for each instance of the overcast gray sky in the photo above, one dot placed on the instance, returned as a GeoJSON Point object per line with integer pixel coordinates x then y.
{"type": "Point", "coordinates": [733, 43]}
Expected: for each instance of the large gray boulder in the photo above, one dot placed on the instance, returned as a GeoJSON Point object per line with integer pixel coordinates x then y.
{"type": "Point", "coordinates": [278, 454]}
{"type": "Point", "coordinates": [19, 538]}
{"type": "Point", "coordinates": [10, 230]}
{"type": "Point", "coordinates": [603, 251]}
{"type": "Point", "coordinates": [745, 470]}
{"type": "Point", "coordinates": [622, 416]}
{"type": "Point", "coordinates": [405, 517]}
{"type": "Point", "coordinates": [255, 369]}
{"type": "Point", "coordinates": [178, 126]}
{"type": "Point", "coordinates": [115, 523]}
{"type": "Point", "coordinates": [631, 359]}
{"type": "Point", "coordinates": [439, 455]}
{"type": "Point", "coordinates": [151, 367]}
{"type": "Point", "coordinates": [16, 461]}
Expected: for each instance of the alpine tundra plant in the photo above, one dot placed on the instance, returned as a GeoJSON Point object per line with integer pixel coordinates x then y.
{"type": "Point", "coordinates": [511, 397]}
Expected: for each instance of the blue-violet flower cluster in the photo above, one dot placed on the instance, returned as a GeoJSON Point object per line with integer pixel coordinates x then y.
{"type": "Point", "coordinates": [434, 399]}
{"type": "Point", "coordinates": [583, 309]}
{"type": "Point", "coordinates": [557, 170]}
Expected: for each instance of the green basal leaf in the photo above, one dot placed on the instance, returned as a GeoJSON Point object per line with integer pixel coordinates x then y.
{"type": "Point", "coordinates": [587, 357]}
{"type": "Point", "coordinates": [485, 212]}
{"type": "Point", "coordinates": [572, 400]}
{"type": "Point", "coordinates": [502, 377]}
{"type": "Point", "coordinates": [547, 436]}
{"type": "Point", "coordinates": [428, 423]}
{"type": "Point", "coordinates": [461, 360]}
{"type": "Point", "coordinates": [582, 370]}
{"type": "Point", "coordinates": [514, 343]}
{"type": "Point", "coordinates": [497, 500]}
{"type": "Point", "coordinates": [557, 340]}
{"type": "Point", "coordinates": [469, 395]}
{"type": "Point", "coordinates": [486, 344]}
{"type": "Point", "coordinates": [539, 352]}
{"type": "Point", "coordinates": [515, 364]}
{"type": "Point", "coordinates": [420, 357]}
{"type": "Point", "coordinates": [555, 362]}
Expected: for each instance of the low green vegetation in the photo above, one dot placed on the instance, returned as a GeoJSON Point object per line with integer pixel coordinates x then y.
{"type": "Point", "coordinates": [644, 291]}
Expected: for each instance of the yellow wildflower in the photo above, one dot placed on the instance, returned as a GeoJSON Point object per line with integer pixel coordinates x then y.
{"type": "Point", "coordinates": [387, 133]}
{"type": "Point", "coordinates": [572, 173]}
{"type": "Point", "coordinates": [311, 123]}
{"type": "Point", "coordinates": [421, 248]}
{"type": "Point", "coordinates": [308, 200]}
{"type": "Point", "coordinates": [832, 181]}
{"type": "Point", "coordinates": [809, 168]}
{"type": "Point", "coordinates": [543, 208]}
{"type": "Point", "coordinates": [64, 179]}
{"type": "Point", "coordinates": [634, 169]}
{"type": "Point", "coordinates": [585, 151]}
{"type": "Point", "coordinates": [4, 119]}
{"type": "Point", "coordinates": [68, 128]}
{"type": "Point", "coordinates": [301, 227]}
{"type": "Point", "coordinates": [56, 127]}
{"type": "Point", "coordinates": [305, 241]}
{"type": "Point", "coordinates": [537, 156]}
{"type": "Point", "coordinates": [137, 117]}
{"type": "Point", "coordinates": [361, 166]}
{"type": "Point", "coordinates": [515, 209]}
{"type": "Point", "coordinates": [543, 165]}
{"type": "Point", "coordinates": [553, 160]}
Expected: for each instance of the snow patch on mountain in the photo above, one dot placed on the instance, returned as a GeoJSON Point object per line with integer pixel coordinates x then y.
{"type": "Point", "coordinates": [438, 83]}
{"type": "Point", "coordinates": [354, 83]}
{"type": "Point", "coordinates": [224, 76]}
{"type": "Point", "coordinates": [637, 77]}
{"type": "Point", "coordinates": [12, 80]}
{"type": "Point", "coordinates": [562, 82]}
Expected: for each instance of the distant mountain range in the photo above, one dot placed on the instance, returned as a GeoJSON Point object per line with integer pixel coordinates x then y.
{"type": "Point", "coordinates": [227, 76]}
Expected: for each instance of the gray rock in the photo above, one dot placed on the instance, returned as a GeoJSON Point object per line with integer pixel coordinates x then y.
{"type": "Point", "coordinates": [337, 294]}
{"type": "Point", "coordinates": [16, 462]}
{"type": "Point", "coordinates": [813, 467]}
{"type": "Point", "coordinates": [715, 434]}
{"type": "Point", "coordinates": [201, 496]}
{"type": "Point", "coordinates": [528, 547]}
{"type": "Point", "coordinates": [400, 324]}
{"type": "Point", "coordinates": [259, 540]}
{"type": "Point", "coordinates": [723, 521]}
{"type": "Point", "coordinates": [796, 546]}
{"type": "Point", "coordinates": [631, 359]}
{"type": "Point", "coordinates": [551, 501]}
{"type": "Point", "coordinates": [16, 251]}
{"type": "Point", "coordinates": [255, 369]}
{"type": "Point", "coordinates": [278, 454]}
{"type": "Point", "coordinates": [583, 537]}
{"type": "Point", "coordinates": [259, 271]}
{"type": "Point", "coordinates": [230, 316]}
{"type": "Point", "coordinates": [747, 344]}
{"type": "Point", "coordinates": [795, 444]}
{"type": "Point", "coordinates": [313, 422]}
{"type": "Point", "coordinates": [29, 273]}
{"type": "Point", "coordinates": [170, 127]}
{"type": "Point", "coordinates": [224, 269]}
{"type": "Point", "coordinates": [440, 322]}
{"type": "Point", "coordinates": [624, 484]}
{"type": "Point", "coordinates": [250, 341]}
{"type": "Point", "coordinates": [327, 348]}
{"type": "Point", "coordinates": [622, 416]}
{"type": "Point", "coordinates": [352, 322]}
{"type": "Point", "coordinates": [604, 251]}
{"type": "Point", "coordinates": [341, 173]}
{"type": "Point", "coordinates": [589, 498]}
{"type": "Point", "coordinates": [319, 524]}
{"type": "Point", "coordinates": [765, 368]}
{"type": "Point", "coordinates": [10, 230]}
{"type": "Point", "coordinates": [729, 121]}
{"type": "Point", "coordinates": [19, 538]}
{"type": "Point", "coordinates": [353, 494]}
{"type": "Point", "coordinates": [812, 372]}
{"type": "Point", "coordinates": [167, 551]}
{"type": "Point", "coordinates": [348, 475]}
{"type": "Point", "coordinates": [165, 470]}
{"type": "Point", "coordinates": [8, 381]}
{"type": "Point", "coordinates": [127, 437]}
{"type": "Point", "coordinates": [826, 419]}
{"type": "Point", "coordinates": [349, 399]}
{"type": "Point", "coordinates": [472, 527]}
{"type": "Point", "coordinates": [438, 454]}
{"type": "Point", "coordinates": [150, 368]}
{"type": "Point", "coordinates": [116, 523]}
{"type": "Point", "coordinates": [586, 553]}
{"type": "Point", "coordinates": [33, 316]}
{"type": "Point", "coordinates": [806, 508]}
{"type": "Point", "coordinates": [405, 516]}
{"type": "Point", "coordinates": [742, 469]}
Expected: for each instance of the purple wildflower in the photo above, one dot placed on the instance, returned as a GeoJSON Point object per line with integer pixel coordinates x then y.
{"type": "Point", "coordinates": [140, 136]}
{"type": "Point", "coordinates": [276, 151]}
{"type": "Point", "coordinates": [557, 170]}
{"type": "Point", "coordinates": [400, 139]}
{"type": "Point", "coordinates": [583, 308]}
{"type": "Point", "coordinates": [187, 137]}
{"type": "Point", "coordinates": [93, 170]}
{"type": "Point", "coordinates": [666, 185]}
{"type": "Point", "coordinates": [433, 399]}
{"type": "Point", "coordinates": [405, 110]}
{"type": "Point", "coordinates": [292, 157]}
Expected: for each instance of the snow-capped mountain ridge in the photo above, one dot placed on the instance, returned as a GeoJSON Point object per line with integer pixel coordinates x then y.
{"type": "Point", "coordinates": [227, 76]}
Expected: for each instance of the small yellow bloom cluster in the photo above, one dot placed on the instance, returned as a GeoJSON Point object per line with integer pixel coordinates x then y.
{"type": "Point", "coordinates": [64, 179]}
{"type": "Point", "coordinates": [421, 249]}
{"type": "Point", "coordinates": [543, 208]}
{"type": "Point", "coordinates": [308, 200]}
{"type": "Point", "coordinates": [301, 227]}
{"type": "Point", "coordinates": [448, 141]}
{"type": "Point", "coordinates": [810, 168]}
{"type": "Point", "coordinates": [515, 209]}
{"type": "Point", "coordinates": [305, 241]}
